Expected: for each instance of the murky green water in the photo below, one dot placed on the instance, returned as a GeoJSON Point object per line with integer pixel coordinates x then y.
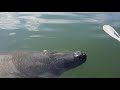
{"type": "Point", "coordinates": [66, 31]}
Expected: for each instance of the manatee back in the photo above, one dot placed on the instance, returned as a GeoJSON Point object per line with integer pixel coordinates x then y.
{"type": "Point", "coordinates": [32, 64]}
{"type": "Point", "coordinates": [7, 68]}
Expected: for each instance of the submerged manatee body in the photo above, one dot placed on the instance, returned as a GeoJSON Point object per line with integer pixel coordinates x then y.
{"type": "Point", "coordinates": [38, 64]}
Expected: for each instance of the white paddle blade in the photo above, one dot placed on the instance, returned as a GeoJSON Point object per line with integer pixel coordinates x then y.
{"type": "Point", "coordinates": [111, 31]}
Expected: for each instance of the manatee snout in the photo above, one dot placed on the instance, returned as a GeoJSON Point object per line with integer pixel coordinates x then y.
{"type": "Point", "coordinates": [81, 56]}
{"type": "Point", "coordinates": [75, 59]}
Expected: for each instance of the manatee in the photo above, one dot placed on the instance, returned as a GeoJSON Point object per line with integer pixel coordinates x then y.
{"type": "Point", "coordinates": [44, 64]}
